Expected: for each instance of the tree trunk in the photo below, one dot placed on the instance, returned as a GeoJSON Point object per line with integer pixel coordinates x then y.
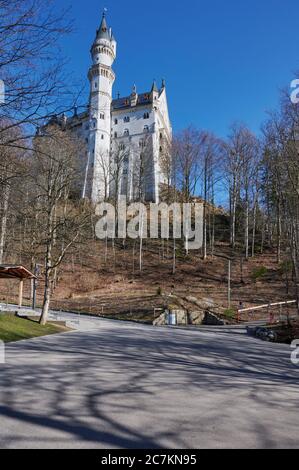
{"type": "Point", "coordinates": [253, 229]}
{"type": "Point", "coordinates": [247, 229]}
{"type": "Point", "coordinates": [3, 222]}
{"type": "Point", "coordinates": [47, 297]}
{"type": "Point", "coordinates": [174, 257]}
{"type": "Point", "coordinates": [278, 232]}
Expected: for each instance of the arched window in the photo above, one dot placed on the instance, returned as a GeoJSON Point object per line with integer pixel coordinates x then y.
{"type": "Point", "coordinates": [126, 132]}
{"type": "Point", "coordinates": [126, 119]}
{"type": "Point", "coordinates": [146, 116]}
{"type": "Point", "coordinates": [115, 121]}
{"type": "Point", "coordinates": [146, 128]}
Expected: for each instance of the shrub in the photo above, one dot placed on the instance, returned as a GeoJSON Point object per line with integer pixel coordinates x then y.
{"type": "Point", "coordinates": [229, 313]}
{"type": "Point", "coordinates": [259, 272]}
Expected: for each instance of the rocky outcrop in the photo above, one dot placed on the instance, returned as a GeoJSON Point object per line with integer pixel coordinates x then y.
{"type": "Point", "coordinates": [189, 310]}
{"type": "Point", "coordinates": [196, 317]}
{"type": "Point", "coordinates": [160, 320]}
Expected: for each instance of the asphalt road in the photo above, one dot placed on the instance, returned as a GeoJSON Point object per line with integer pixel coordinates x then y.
{"type": "Point", "coordinates": [121, 385]}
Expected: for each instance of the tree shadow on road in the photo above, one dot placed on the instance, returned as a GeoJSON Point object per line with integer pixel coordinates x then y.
{"type": "Point", "coordinates": [110, 387]}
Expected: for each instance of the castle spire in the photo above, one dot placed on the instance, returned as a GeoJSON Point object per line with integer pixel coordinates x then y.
{"type": "Point", "coordinates": [154, 87]}
{"type": "Point", "coordinates": [103, 30]}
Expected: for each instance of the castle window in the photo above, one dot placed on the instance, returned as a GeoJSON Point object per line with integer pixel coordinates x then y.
{"type": "Point", "coordinates": [95, 85]}
{"type": "Point", "coordinates": [126, 132]}
{"type": "Point", "coordinates": [115, 121]}
{"type": "Point", "coordinates": [102, 116]}
{"type": "Point", "coordinates": [126, 119]}
{"type": "Point", "coordinates": [146, 128]}
{"type": "Point", "coordinates": [146, 116]}
{"type": "Point", "coordinates": [102, 136]}
{"type": "Point", "coordinates": [122, 147]}
{"type": "Point", "coordinates": [115, 135]}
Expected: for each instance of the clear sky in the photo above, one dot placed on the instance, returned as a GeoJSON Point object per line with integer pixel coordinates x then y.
{"type": "Point", "coordinates": [223, 60]}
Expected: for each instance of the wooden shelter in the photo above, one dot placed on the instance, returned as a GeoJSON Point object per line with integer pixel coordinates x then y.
{"type": "Point", "coordinates": [16, 272]}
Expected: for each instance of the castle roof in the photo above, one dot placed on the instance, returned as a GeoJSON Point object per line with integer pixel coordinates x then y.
{"type": "Point", "coordinates": [122, 103]}
{"type": "Point", "coordinates": [103, 31]}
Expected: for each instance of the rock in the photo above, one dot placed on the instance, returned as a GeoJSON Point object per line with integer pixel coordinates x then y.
{"type": "Point", "coordinates": [212, 319]}
{"type": "Point", "coordinates": [196, 317]}
{"type": "Point", "coordinates": [161, 320]}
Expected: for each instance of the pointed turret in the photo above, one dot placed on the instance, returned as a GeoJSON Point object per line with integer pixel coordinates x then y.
{"type": "Point", "coordinates": [104, 37]}
{"type": "Point", "coordinates": [154, 87]}
{"type": "Point", "coordinates": [103, 31]}
{"type": "Point", "coordinates": [154, 91]}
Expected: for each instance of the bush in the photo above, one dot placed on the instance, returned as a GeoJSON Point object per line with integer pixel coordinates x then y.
{"type": "Point", "coordinates": [259, 273]}
{"type": "Point", "coordinates": [229, 313]}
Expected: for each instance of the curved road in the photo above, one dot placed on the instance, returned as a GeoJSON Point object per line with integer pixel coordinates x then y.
{"type": "Point", "coordinates": [122, 385]}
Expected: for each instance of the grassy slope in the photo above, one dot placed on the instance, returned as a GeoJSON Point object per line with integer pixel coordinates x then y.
{"type": "Point", "coordinates": [15, 329]}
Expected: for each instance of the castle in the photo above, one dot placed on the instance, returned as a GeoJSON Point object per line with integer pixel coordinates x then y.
{"type": "Point", "coordinates": [125, 138]}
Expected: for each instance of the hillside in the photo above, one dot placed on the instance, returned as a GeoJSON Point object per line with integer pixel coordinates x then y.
{"type": "Point", "coordinates": [106, 280]}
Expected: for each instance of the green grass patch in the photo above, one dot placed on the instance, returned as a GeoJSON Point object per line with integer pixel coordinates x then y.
{"type": "Point", "coordinates": [13, 328]}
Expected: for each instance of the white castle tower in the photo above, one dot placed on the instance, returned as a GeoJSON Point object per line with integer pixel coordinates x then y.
{"type": "Point", "coordinates": [133, 130]}
{"type": "Point", "coordinates": [101, 78]}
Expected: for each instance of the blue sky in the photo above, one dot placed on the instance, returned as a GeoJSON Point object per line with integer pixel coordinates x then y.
{"type": "Point", "coordinates": [223, 60]}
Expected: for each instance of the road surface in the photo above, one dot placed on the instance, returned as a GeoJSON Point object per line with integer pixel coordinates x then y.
{"type": "Point", "coordinates": [121, 385]}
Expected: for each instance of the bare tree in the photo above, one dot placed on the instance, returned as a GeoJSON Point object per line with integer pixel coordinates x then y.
{"type": "Point", "coordinates": [31, 66]}
{"type": "Point", "coordinates": [186, 150]}
{"type": "Point", "coordinates": [12, 169]}
{"type": "Point", "coordinates": [59, 219]}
